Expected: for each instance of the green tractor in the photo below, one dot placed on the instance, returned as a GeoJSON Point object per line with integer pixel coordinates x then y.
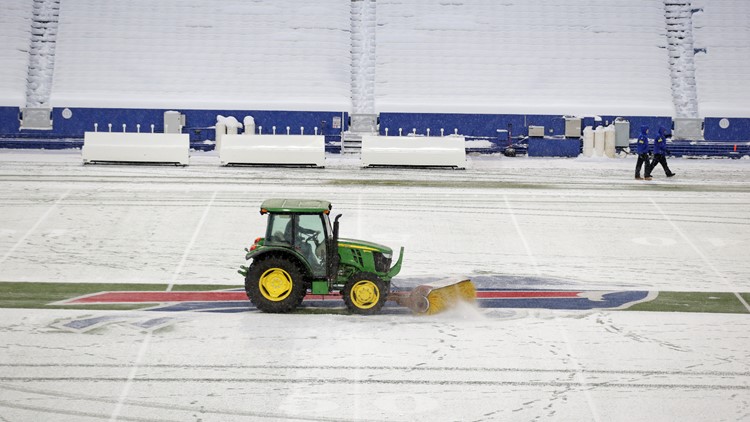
{"type": "Point", "coordinates": [302, 254]}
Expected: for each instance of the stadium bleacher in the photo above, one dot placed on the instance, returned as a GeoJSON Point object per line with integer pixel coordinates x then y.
{"type": "Point", "coordinates": [480, 67]}
{"type": "Point", "coordinates": [15, 35]}
{"type": "Point", "coordinates": [200, 55]}
{"type": "Point", "coordinates": [541, 57]}
{"type": "Point", "coordinates": [721, 32]}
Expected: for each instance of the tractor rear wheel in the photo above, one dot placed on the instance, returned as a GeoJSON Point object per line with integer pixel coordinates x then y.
{"type": "Point", "coordinates": [365, 294]}
{"type": "Point", "coordinates": [275, 284]}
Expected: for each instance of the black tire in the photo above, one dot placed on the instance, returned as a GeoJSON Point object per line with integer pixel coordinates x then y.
{"type": "Point", "coordinates": [365, 294]}
{"type": "Point", "coordinates": [275, 284]}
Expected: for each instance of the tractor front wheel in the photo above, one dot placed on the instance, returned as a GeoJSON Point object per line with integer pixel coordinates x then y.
{"type": "Point", "coordinates": [365, 294]}
{"type": "Point", "coordinates": [275, 284]}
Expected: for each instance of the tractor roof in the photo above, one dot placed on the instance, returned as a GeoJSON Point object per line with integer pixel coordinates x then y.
{"type": "Point", "coordinates": [295, 206]}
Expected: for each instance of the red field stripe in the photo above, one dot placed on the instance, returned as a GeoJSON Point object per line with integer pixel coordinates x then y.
{"type": "Point", "coordinates": [529, 294]}
{"type": "Point", "coordinates": [161, 297]}
{"type": "Point", "coordinates": [228, 296]}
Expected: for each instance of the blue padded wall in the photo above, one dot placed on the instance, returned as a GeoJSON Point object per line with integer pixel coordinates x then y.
{"type": "Point", "coordinates": [738, 129]}
{"type": "Point", "coordinates": [198, 123]}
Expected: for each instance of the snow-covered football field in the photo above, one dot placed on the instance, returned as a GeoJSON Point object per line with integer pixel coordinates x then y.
{"type": "Point", "coordinates": [550, 223]}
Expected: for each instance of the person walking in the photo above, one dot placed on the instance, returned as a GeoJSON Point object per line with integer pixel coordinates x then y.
{"type": "Point", "coordinates": [642, 151]}
{"type": "Point", "coordinates": [660, 153]}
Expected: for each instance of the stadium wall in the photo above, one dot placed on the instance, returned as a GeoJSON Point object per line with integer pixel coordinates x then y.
{"type": "Point", "coordinates": [199, 124]}
{"type": "Point", "coordinates": [68, 132]}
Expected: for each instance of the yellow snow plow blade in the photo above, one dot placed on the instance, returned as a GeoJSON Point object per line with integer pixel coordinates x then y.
{"type": "Point", "coordinates": [428, 299]}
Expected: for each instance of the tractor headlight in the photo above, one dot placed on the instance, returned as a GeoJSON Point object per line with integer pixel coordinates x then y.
{"type": "Point", "coordinates": [382, 261]}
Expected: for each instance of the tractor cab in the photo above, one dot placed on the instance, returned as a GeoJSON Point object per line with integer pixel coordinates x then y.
{"type": "Point", "coordinates": [308, 233]}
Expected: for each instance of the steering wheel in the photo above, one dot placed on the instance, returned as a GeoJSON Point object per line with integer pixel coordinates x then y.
{"type": "Point", "coordinates": [307, 235]}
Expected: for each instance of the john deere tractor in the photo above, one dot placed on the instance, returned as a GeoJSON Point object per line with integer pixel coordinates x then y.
{"type": "Point", "coordinates": [302, 254]}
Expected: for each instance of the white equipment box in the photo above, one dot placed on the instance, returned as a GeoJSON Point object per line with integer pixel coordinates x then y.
{"type": "Point", "coordinates": [297, 150]}
{"type": "Point", "coordinates": [136, 147]}
{"type": "Point", "coordinates": [419, 151]}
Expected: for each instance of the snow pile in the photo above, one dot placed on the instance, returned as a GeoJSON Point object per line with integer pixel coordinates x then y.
{"type": "Point", "coordinates": [15, 38]}
{"type": "Point", "coordinates": [230, 122]}
{"type": "Point", "coordinates": [722, 29]}
{"type": "Point", "coordinates": [515, 56]}
{"type": "Point", "coordinates": [264, 54]}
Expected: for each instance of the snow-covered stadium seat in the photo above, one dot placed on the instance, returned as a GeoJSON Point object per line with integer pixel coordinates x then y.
{"type": "Point", "coordinates": [15, 39]}
{"type": "Point", "coordinates": [536, 57]}
{"type": "Point", "coordinates": [721, 72]}
{"type": "Point", "coordinates": [233, 54]}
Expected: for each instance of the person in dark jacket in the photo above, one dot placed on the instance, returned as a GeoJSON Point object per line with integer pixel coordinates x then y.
{"type": "Point", "coordinates": [660, 153]}
{"type": "Point", "coordinates": [642, 151]}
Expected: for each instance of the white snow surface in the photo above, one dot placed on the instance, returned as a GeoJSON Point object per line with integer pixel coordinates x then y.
{"type": "Point", "coordinates": [569, 223]}
{"type": "Point", "coordinates": [514, 365]}
{"type": "Point", "coordinates": [577, 222]}
{"type": "Point", "coordinates": [15, 40]}
{"type": "Point", "coordinates": [722, 28]}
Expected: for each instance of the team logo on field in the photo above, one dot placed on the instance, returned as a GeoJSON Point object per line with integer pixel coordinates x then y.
{"type": "Point", "coordinates": [236, 300]}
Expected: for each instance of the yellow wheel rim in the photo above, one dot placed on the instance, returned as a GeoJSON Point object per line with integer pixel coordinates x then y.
{"type": "Point", "coordinates": [275, 284]}
{"type": "Point", "coordinates": [364, 294]}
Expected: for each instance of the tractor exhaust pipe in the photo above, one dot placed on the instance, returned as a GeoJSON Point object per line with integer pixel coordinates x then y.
{"type": "Point", "coordinates": [333, 253]}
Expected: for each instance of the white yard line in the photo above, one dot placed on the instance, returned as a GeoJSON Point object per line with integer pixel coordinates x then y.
{"type": "Point", "coordinates": [520, 234]}
{"type": "Point", "coordinates": [581, 376]}
{"type": "Point", "coordinates": [703, 256]}
{"type": "Point", "coordinates": [34, 227]}
{"type": "Point", "coordinates": [133, 372]}
{"type": "Point", "coordinates": [181, 265]}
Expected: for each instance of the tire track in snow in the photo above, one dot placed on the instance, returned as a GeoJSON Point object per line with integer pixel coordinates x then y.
{"type": "Point", "coordinates": [320, 381]}
{"type": "Point", "coordinates": [192, 410]}
{"type": "Point", "coordinates": [407, 375]}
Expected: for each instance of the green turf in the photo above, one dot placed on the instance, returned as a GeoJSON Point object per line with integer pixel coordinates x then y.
{"type": "Point", "coordinates": [40, 295]}
{"type": "Point", "coordinates": [693, 302]}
